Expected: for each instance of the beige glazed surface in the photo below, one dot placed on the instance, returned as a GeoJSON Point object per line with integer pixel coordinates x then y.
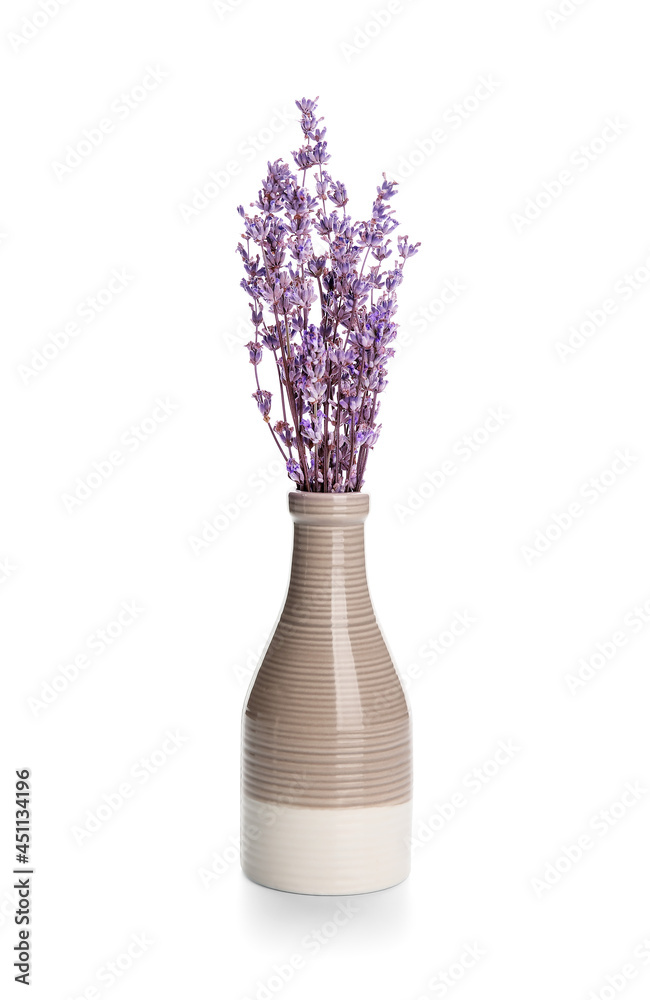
{"type": "Point", "coordinates": [326, 741]}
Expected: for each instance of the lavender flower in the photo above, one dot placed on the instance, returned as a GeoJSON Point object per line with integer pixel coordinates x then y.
{"type": "Point", "coordinates": [331, 366]}
{"type": "Point", "coordinates": [255, 353]}
{"type": "Point", "coordinates": [263, 398]}
{"type": "Point", "coordinates": [294, 470]}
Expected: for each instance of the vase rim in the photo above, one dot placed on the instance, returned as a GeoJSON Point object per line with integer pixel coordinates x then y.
{"type": "Point", "coordinates": [326, 509]}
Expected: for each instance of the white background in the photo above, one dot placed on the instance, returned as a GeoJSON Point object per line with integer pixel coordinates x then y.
{"type": "Point", "coordinates": [164, 864]}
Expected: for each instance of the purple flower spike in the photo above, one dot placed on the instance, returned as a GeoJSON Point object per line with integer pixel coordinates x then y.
{"type": "Point", "coordinates": [255, 352]}
{"type": "Point", "coordinates": [323, 303]}
{"type": "Point", "coordinates": [263, 399]}
{"type": "Point", "coordinates": [307, 106]}
{"type": "Point", "coordinates": [406, 249]}
{"type": "Point", "coordinates": [294, 470]}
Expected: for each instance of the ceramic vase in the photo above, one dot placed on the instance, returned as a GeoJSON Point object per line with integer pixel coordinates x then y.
{"type": "Point", "coordinates": [326, 728]}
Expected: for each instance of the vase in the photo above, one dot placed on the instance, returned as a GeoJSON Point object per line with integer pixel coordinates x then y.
{"type": "Point", "coordinates": [326, 727]}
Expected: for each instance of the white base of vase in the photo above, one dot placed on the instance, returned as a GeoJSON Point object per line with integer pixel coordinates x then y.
{"type": "Point", "coordinates": [328, 852]}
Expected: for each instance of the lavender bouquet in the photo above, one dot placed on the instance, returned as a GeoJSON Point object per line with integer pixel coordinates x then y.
{"type": "Point", "coordinates": [303, 253]}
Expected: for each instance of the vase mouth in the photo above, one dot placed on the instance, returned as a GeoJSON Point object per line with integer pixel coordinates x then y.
{"type": "Point", "coordinates": [328, 509]}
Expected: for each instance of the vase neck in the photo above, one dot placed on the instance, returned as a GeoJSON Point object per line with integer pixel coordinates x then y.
{"type": "Point", "coordinates": [328, 562]}
{"type": "Point", "coordinates": [329, 510]}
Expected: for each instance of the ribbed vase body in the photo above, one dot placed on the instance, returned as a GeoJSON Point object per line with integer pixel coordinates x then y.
{"type": "Point", "coordinates": [326, 732]}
